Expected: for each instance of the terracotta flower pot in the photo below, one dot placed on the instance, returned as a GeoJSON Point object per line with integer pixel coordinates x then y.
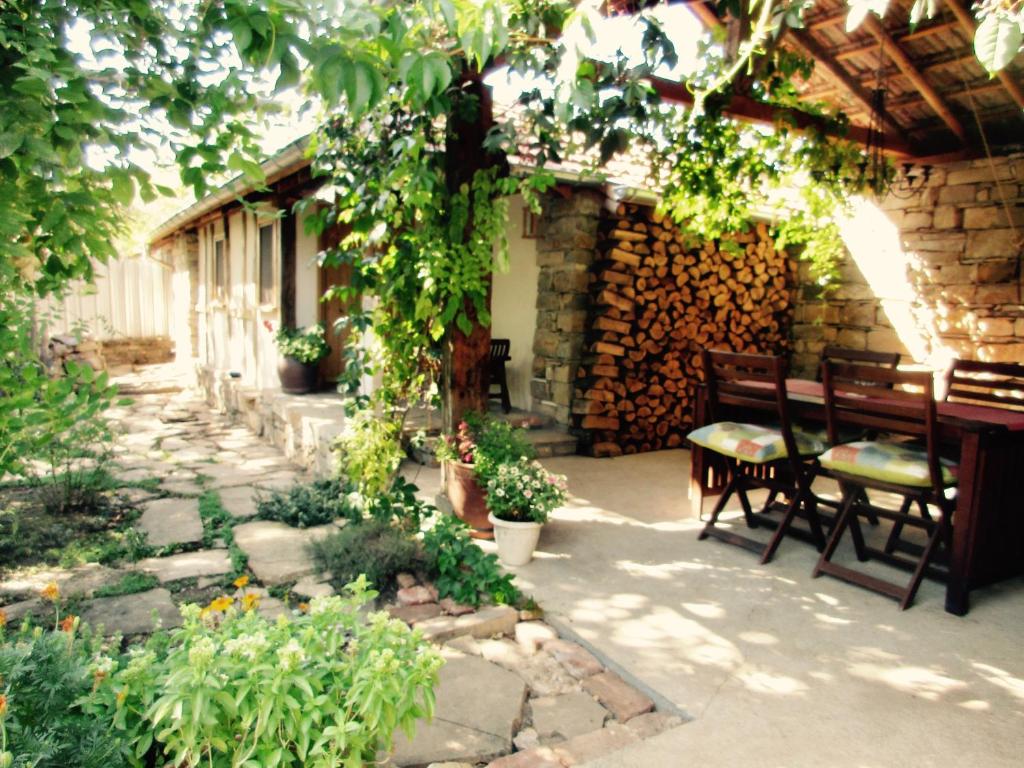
{"type": "Point", "coordinates": [468, 499]}
{"type": "Point", "coordinates": [297, 378]}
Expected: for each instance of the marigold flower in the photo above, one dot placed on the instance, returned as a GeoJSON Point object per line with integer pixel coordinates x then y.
{"type": "Point", "coordinates": [3, 704]}
{"type": "Point", "coordinates": [221, 603]}
{"type": "Point", "coordinates": [304, 607]}
{"type": "Point", "coordinates": [51, 592]}
{"type": "Point", "coordinates": [3, 619]}
{"type": "Point", "coordinates": [241, 581]}
{"type": "Point", "coordinates": [250, 601]}
{"type": "Point", "coordinates": [68, 624]}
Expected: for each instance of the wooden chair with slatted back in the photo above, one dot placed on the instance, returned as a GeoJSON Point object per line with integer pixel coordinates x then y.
{"type": "Point", "coordinates": [497, 375]}
{"type": "Point", "coordinates": [860, 357]}
{"type": "Point", "coordinates": [749, 387]}
{"type": "Point", "coordinates": [996, 385]}
{"type": "Point", "coordinates": [897, 404]}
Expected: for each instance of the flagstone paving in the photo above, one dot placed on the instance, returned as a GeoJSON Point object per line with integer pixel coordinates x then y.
{"type": "Point", "coordinates": [512, 693]}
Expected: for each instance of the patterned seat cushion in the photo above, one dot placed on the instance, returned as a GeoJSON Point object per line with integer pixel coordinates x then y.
{"type": "Point", "coordinates": [888, 462]}
{"type": "Point", "coordinates": [750, 442]}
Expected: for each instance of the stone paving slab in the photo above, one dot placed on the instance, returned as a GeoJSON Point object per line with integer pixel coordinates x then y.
{"type": "Point", "coordinates": [624, 701]}
{"type": "Point", "coordinates": [132, 614]}
{"type": "Point", "coordinates": [239, 501]}
{"type": "Point", "coordinates": [277, 552]}
{"type": "Point", "coordinates": [80, 581]}
{"type": "Point", "coordinates": [187, 565]}
{"type": "Point", "coordinates": [171, 521]}
{"type": "Point", "coordinates": [560, 718]}
{"type": "Point", "coordinates": [479, 708]}
{"type": "Point", "coordinates": [492, 620]}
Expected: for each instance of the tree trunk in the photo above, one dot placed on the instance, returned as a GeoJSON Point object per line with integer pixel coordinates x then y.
{"type": "Point", "coordinates": [464, 365]}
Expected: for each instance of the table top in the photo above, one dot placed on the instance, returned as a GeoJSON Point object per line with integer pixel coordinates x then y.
{"type": "Point", "coordinates": [813, 391]}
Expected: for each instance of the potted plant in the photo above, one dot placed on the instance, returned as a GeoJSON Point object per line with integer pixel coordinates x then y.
{"type": "Point", "coordinates": [301, 349]}
{"type": "Point", "coordinates": [470, 457]}
{"type": "Point", "coordinates": [520, 496]}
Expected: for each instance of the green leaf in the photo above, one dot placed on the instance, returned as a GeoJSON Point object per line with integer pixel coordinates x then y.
{"type": "Point", "coordinates": [122, 187]}
{"type": "Point", "coordinates": [9, 144]}
{"type": "Point", "coordinates": [997, 41]}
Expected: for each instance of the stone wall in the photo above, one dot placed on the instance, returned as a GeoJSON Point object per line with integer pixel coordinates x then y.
{"type": "Point", "coordinates": [934, 276]}
{"type": "Point", "coordinates": [567, 239]}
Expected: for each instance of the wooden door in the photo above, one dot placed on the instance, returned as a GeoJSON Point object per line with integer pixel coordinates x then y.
{"type": "Point", "coordinates": [332, 366]}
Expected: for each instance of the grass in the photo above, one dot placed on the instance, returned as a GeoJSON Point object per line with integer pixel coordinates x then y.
{"type": "Point", "coordinates": [130, 584]}
{"type": "Point", "coordinates": [217, 525]}
{"type": "Point", "coordinates": [34, 534]}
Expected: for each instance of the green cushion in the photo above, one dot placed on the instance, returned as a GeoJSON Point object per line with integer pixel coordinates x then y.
{"type": "Point", "coordinates": [750, 442]}
{"type": "Point", "coordinates": [897, 463]}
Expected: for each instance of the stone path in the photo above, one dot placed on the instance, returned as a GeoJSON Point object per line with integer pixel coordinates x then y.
{"type": "Point", "coordinates": [512, 694]}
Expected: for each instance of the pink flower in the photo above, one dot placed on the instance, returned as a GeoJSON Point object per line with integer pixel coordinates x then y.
{"type": "Point", "coordinates": [268, 325]}
{"type": "Point", "coordinates": [467, 458]}
{"type": "Point", "coordinates": [528, 494]}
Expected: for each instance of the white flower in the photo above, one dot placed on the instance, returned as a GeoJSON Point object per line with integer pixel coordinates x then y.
{"type": "Point", "coordinates": [201, 653]}
{"type": "Point", "coordinates": [291, 655]}
{"type": "Point", "coordinates": [247, 646]}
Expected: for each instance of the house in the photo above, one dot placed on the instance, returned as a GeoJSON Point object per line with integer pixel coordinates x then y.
{"type": "Point", "coordinates": [932, 269]}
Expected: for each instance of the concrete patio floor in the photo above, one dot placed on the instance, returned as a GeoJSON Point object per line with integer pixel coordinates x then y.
{"type": "Point", "coordinates": [773, 668]}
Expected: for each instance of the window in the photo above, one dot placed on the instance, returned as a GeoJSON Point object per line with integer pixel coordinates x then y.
{"type": "Point", "coordinates": [220, 269]}
{"type": "Point", "coordinates": [530, 223]}
{"type": "Point", "coordinates": [266, 265]}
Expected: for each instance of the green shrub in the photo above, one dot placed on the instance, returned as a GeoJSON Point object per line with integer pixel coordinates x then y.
{"type": "Point", "coordinates": [46, 681]}
{"type": "Point", "coordinates": [463, 571]}
{"type": "Point", "coordinates": [306, 505]}
{"type": "Point", "coordinates": [374, 548]}
{"type": "Point", "coordinates": [229, 688]}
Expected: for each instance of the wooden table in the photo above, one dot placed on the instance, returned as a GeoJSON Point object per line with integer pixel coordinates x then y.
{"type": "Point", "coordinates": [988, 524]}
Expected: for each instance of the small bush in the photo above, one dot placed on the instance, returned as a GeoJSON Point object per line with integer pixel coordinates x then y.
{"type": "Point", "coordinates": [374, 548]}
{"type": "Point", "coordinates": [303, 506]}
{"type": "Point", "coordinates": [47, 677]}
{"type": "Point", "coordinates": [463, 571]}
{"type": "Point", "coordinates": [229, 688]}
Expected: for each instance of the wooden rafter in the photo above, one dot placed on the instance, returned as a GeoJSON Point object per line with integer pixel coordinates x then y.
{"type": "Point", "coordinates": [902, 60]}
{"type": "Point", "coordinates": [978, 86]}
{"type": "Point", "coordinates": [966, 21]}
{"type": "Point", "coordinates": [807, 45]}
{"type": "Point", "coordinates": [834, 72]}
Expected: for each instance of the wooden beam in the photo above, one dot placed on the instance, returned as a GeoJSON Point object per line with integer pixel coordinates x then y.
{"type": "Point", "coordinates": [966, 21]}
{"type": "Point", "coordinates": [828, 19]}
{"type": "Point", "coordinates": [750, 110]}
{"type": "Point", "coordinates": [978, 86]}
{"type": "Point", "coordinates": [899, 56]}
{"type": "Point", "coordinates": [862, 47]}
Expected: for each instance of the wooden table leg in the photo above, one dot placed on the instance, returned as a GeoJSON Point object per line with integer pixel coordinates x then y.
{"type": "Point", "coordinates": [966, 520]}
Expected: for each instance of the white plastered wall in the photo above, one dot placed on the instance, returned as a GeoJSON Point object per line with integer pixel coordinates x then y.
{"type": "Point", "coordinates": [307, 277]}
{"type": "Point", "coordinates": [514, 305]}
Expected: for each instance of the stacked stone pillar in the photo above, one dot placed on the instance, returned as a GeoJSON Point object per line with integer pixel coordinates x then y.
{"type": "Point", "coordinates": [566, 246]}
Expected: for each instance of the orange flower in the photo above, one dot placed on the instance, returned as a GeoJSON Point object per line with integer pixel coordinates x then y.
{"type": "Point", "coordinates": [3, 619]}
{"type": "Point", "coordinates": [51, 592]}
{"type": "Point", "coordinates": [241, 581]}
{"type": "Point", "coordinates": [68, 625]}
{"type": "Point", "coordinates": [3, 704]}
{"type": "Point", "coordinates": [250, 601]}
{"type": "Point", "coordinates": [304, 607]}
{"type": "Point", "coordinates": [221, 603]}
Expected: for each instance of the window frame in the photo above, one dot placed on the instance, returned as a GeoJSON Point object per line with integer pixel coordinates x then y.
{"type": "Point", "coordinates": [275, 263]}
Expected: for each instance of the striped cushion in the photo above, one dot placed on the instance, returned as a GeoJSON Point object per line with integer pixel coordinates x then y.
{"type": "Point", "coordinates": [887, 462]}
{"type": "Point", "coordinates": [750, 442]}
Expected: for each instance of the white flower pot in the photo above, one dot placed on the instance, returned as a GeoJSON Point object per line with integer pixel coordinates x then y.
{"type": "Point", "coordinates": [516, 541]}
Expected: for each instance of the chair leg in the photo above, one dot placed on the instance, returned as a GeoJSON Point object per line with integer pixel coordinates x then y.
{"type": "Point", "coordinates": [506, 401]}
{"type": "Point", "coordinates": [719, 506]}
{"type": "Point", "coordinates": [938, 533]}
{"type": "Point", "coordinates": [787, 519]}
{"type": "Point", "coordinates": [842, 520]}
{"type": "Point", "coordinates": [897, 528]}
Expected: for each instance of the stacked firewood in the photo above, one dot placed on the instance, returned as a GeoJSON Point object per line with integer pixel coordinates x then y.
{"type": "Point", "coordinates": [658, 299]}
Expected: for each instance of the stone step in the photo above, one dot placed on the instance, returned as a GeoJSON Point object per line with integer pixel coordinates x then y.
{"type": "Point", "coordinates": [552, 441]}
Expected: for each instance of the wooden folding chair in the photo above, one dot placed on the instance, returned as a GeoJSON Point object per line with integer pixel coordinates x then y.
{"type": "Point", "coordinates": [496, 372]}
{"type": "Point", "coordinates": [897, 404]}
{"type": "Point", "coordinates": [996, 385]}
{"type": "Point", "coordinates": [758, 456]}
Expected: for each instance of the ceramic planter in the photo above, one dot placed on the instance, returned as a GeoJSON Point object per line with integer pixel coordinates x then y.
{"type": "Point", "coordinates": [516, 541]}
{"type": "Point", "coordinates": [297, 378]}
{"type": "Point", "coordinates": [468, 499]}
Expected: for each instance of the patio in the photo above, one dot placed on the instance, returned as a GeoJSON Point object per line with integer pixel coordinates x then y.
{"type": "Point", "coordinates": [774, 668]}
